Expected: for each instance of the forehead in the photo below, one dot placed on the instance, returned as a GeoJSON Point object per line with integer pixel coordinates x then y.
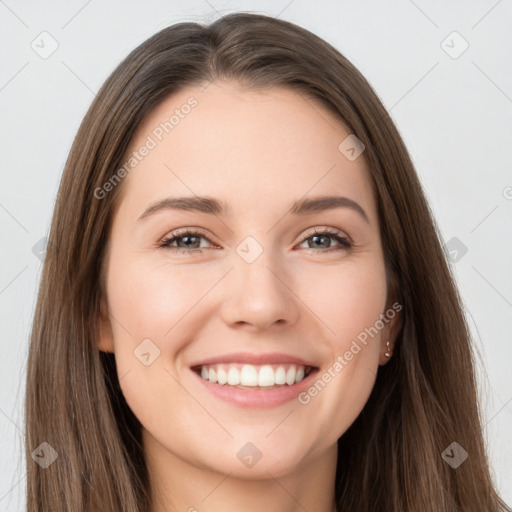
{"type": "Point", "coordinates": [246, 147]}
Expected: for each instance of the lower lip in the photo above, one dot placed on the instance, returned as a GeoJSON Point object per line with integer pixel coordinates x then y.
{"type": "Point", "coordinates": [261, 397]}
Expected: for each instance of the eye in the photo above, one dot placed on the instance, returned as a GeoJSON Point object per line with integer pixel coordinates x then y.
{"type": "Point", "coordinates": [321, 236]}
{"type": "Point", "coordinates": [189, 241]}
{"type": "Point", "coordinates": [190, 238]}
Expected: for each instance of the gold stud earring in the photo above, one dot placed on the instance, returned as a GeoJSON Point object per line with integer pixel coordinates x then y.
{"type": "Point", "coordinates": [389, 352]}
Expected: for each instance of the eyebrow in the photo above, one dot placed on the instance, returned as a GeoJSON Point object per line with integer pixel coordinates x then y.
{"type": "Point", "coordinates": [213, 206]}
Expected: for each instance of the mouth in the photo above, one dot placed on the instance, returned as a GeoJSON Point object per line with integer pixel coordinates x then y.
{"type": "Point", "coordinates": [254, 377]}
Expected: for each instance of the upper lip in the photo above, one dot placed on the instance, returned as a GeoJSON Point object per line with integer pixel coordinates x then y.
{"type": "Point", "coordinates": [255, 359]}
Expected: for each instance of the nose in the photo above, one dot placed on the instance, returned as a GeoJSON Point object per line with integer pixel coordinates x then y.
{"type": "Point", "coordinates": [259, 295]}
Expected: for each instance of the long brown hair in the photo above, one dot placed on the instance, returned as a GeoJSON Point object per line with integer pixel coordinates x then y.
{"type": "Point", "coordinates": [423, 400]}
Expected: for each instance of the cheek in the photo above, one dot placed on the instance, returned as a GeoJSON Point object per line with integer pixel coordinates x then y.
{"type": "Point", "coordinates": [341, 393]}
{"type": "Point", "coordinates": [152, 301]}
{"type": "Point", "coordinates": [346, 298]}
{"type": "Point", "coordinates": [151, 324]}
{"type": "Point", "coordinates": [349, 300]}
{"type": "Point", "coordinates": [155, 314]}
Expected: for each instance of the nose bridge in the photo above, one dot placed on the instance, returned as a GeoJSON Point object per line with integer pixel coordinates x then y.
{"type": "Point", "coordinates": [258, 293]}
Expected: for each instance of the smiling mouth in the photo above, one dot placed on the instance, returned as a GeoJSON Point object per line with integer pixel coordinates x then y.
{"type": "Point", "coordinates": [252, 377]}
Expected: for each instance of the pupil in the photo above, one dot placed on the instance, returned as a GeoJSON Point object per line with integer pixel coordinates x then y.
{"type": "Point", "coordinates": [185, 238]}
{"type": "Point", "coordinates": [321, 236]}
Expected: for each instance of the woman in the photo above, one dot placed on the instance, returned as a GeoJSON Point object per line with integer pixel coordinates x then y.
{"type": "Point", "coordinates": [245, 303]}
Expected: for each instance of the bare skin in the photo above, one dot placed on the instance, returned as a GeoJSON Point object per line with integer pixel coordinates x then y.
{"type": "Point", "coordinates": [257, 151]}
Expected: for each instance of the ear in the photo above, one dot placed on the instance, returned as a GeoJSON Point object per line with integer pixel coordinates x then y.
{"type": "Point", "coordinates": [105, 341]}
{"type": "Point", "coordinates": [392, 326]}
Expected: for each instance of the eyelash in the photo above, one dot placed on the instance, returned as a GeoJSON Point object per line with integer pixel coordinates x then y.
{"type": "Point", "coordinates": [345, 244]}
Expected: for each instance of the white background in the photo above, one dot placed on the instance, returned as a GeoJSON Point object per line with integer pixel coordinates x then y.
{"type": "Point", "coordinates": [454, 115]}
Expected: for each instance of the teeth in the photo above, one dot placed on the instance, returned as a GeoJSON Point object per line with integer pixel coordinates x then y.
{"type": "Point", "coordinates": [248, 375]}
{"type": "Point", "coordinates": [280, 376]}
{"type": "Point", "coordinates": [222, 376]}
{"type": "Point", "coordinates": [266, 376]}
{"type": "Point", "coordinates": [290, 375]}
{"type": "Point", "coordinates": [254, 376]}
{"type": "Point", "coordinates": [233, 377]}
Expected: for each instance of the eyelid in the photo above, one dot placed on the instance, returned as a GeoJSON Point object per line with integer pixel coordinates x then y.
{"type": "Point", "coordinates": [181, 232]}
{"type": "Point", "coordinates": [188, 230]}
{"type": "Point", "coordinates": [326, 229]}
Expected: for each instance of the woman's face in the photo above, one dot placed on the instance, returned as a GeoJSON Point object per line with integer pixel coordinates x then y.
{"type": "Point", "coordinates": [267, 282]}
